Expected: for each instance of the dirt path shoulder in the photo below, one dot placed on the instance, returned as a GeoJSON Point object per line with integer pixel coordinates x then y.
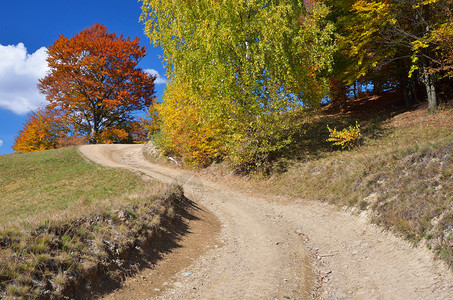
{"type": "Point", "coordinates": [274, 249]}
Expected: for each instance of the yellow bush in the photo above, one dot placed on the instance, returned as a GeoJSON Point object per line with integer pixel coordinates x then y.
{"type": "Point", "coordinates": [182, 130]}
{"type": "Point", "coordinates": [346, 138]}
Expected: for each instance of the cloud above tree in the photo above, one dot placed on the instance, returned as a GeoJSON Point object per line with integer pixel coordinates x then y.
{"type": "Point", "coordinates": [159, 79]}
{"type": "Point", "coordinates": [19, 75]}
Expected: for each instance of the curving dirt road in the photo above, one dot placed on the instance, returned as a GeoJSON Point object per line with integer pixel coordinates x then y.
{"type": "Point", "coordinates": [280, 249]}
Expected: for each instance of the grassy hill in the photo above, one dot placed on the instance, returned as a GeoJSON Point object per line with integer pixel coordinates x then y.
{"type": "Point", "coordinates": [46, 183]}
{"type": "Point", "coordinates": [65, 220]}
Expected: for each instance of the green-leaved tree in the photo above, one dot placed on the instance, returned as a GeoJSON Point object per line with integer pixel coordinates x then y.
{"type": "Point", "coordinates": [245, 64]}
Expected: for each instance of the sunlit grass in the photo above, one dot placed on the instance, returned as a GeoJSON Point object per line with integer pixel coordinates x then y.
{"type": "Point", "coordinates": [46, 182]}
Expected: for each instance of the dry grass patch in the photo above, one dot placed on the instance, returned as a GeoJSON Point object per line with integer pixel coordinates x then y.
{"type": "Point", "coordinates": [402, 173]}
{"type": "Point", "coordinates": [52, 259]}
{"type": "Point", "coordinates": [404, 178]}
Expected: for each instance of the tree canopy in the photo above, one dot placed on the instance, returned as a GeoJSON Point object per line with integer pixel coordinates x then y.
{"type": "Point", "coordinates": [40, 132]}
{"type": "Point", "coordinates": [241, 65]}
{"type": "Point", "coordinates": [95, 81]}
{"type": "Point", "coordinates": [400, 42]}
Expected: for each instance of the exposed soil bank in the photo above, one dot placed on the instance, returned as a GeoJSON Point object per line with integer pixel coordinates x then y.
{"type": "Point", "coordinates": [153, 280]}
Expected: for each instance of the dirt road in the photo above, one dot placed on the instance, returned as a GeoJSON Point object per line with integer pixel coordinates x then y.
{"type": "Point", "coordinates": [281, 249]}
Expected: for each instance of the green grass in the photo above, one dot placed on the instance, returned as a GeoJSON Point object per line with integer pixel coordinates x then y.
{"type": "Point", "coordinates": [46, 182]}
{"type": "Point", "coordinates": [65, 220]}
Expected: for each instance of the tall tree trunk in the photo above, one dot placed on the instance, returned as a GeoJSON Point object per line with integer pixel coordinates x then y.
{"type": "Point", "coordinates": [405, 89]}
{"type": "Point", "coordinates": [377, 88]}
{"type": "Point", "coordinates": [92, 136]}
{"type": "Point", "coordinates": [428, 80]}
{"type": "Point", "coordinates": [338, 93]}
{"type": "Point", "coordinates": [94, 128]}
{"type": "Point", "coordinates": [413, 90]}
{"type": "Point", "coordinates": [406, 96]}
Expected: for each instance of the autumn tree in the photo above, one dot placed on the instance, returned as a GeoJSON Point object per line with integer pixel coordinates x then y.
{"type": "Point", "coordinates": [413, 23]}
{"type": "Point", "coordinates": [182, 128]}
{"type": "Point", "coordinates": [442, 39]}
{"type": "Point", "coordinates": [95, 81]}
{"type": "Point", "coordinates": [400, 41]}
{"type": "Point", "coordinates": [41, 131]}
{"type": "Point", "coordinates": [47, 128]}
{"type": "Point", "coordinates": [242, 64]}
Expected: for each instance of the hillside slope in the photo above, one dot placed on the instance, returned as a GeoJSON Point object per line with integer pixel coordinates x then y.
{"type": "Point", "coordinates": [68, 226]}
{"type": "Point", "coordinates": [401, 174]}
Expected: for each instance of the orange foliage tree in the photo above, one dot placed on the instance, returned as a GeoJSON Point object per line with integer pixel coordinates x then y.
{"type": "Point", "coordinates": [94, 80]}
{"type": "Point", "coordinates": [41, 132]}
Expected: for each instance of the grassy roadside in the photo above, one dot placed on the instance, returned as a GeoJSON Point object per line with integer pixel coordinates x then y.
{"type": "Point", "coordinates": [40, 183]}
{"type": "Point", "coordinates": [65, 220]}
{"type": "Point", "coordinates": [402, 174]}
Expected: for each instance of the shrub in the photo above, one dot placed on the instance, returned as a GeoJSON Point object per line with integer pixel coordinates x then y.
{"type": "Point", "coordinates": [346, 138]}
{"type": "Point", "coordinates": [254, 146]}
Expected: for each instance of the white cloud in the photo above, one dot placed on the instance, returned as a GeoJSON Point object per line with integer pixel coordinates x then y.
{"type": "Point", "coordinates": [19, 74]}
{"type": "Point", "coordinates": [1, 143]}
{"type": "Point", "coordinates": [159, 79]}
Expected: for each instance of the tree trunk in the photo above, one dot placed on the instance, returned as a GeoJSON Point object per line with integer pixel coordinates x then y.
{"type": "Point", "coordinates": [94, 128]}
{"type": "Point", "coordinates": [338, 93]}
{"type": "Point", "coordinates": [413, 90]}
{"type": "Point", "coordinates": [404, 84]}
{"type": "Point", "coordinates": [406, 96]}
{"type": "Point", "coordinates": [377, 88]}
{"type": "Point", "coordinates": [405, 89]}
{"type": "Point", "coordinates": [428, 80]}
{"type": "Point", "coordinates": [92, 136]}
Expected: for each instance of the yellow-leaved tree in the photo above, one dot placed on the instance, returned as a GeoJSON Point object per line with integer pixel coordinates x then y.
{"type": "Point", "coordinates": [236, 68]}
{"type": "Point", "coordinates": [41, 131]}
{"type": "Point", "coordinates": [183, 131]}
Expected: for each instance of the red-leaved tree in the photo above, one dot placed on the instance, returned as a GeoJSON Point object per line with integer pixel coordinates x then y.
{"type": "Point", "coordinates": [95, 81]}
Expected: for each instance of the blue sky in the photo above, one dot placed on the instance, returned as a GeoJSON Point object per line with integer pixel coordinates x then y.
{"type": "Point", "coordinates": [27, 27]}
